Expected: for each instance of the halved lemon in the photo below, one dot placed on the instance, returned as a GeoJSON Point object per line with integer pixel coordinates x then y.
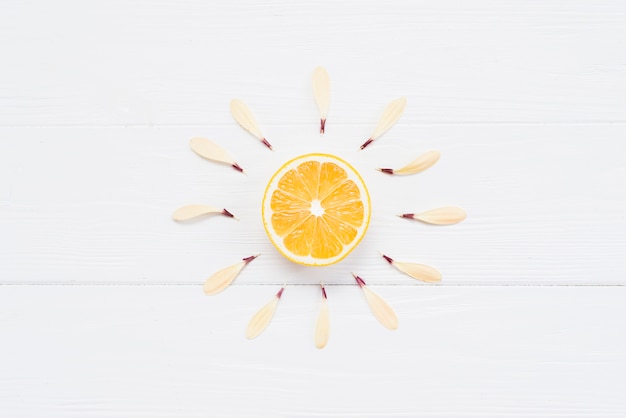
{"type": "Point", "coordinates": [316, 209]}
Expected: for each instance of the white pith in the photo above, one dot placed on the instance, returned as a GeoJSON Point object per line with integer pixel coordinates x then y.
{"type": "Point", "coordinates": [316, 208]}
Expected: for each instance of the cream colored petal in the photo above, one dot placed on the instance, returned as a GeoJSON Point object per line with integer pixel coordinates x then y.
{"type": "Point", "coordinates": [381, 309]}
{"type": "Point", "coordinates": [390, 116]}
{"type": "Point", "coordinates": [262, 319]}
{"type": "Point", "coordinates": [322, 326]}
{"type": "Point", "coordinates": [210, 150]}
{"type": "Point", "coordinates": [419, 271]}
{"type": "Point", "coordinates": [223, 278]}
{"type": "Point", "coordinates": [321, 90]}
{"type": "Point", "coordinates": [188, 212]}
{"type": "Point", "coordinates": [446, 215]}
{"type": "Point", "coordinates": [244, 117]}
{"type": "Point", "coordinates": [421, 163]}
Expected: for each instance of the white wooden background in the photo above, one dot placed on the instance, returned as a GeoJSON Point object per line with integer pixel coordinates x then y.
{"type": "Point", "coordinates": [101, 306]}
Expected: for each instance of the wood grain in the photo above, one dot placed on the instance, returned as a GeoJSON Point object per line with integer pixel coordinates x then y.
{"type": "Point", "coordinates": [93, 205]}
{"type": "Point", "coordinates": [165, 351]}
{"type": "Point", "coordinates": [168, 63]}
{"type": "Point", "coordinates": [101, 305]}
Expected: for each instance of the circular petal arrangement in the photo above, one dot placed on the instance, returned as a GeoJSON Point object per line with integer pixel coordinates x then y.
{"type": "Point", "coordinates": [316, 210]}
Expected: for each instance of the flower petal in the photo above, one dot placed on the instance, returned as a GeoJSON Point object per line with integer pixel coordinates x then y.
{"type": "Point", "coordinates": [211, 151]}
{"type": "Point", "coordinates": [390, 116]}
{"type": "Point", "coordinates": [188, 212]}
{"type": "Point", "coordinates": [263, 317]}
{"type": "Point", "coordinates": [421, 163]}
{"type": "Point", "coordinates": [244, 117]}
{"type": "Point", "coordinates": [418, 271]}
{"type": "Point", "coordinates": [223, 278]}
{"type": "Point", "coordinates": [379, 307]}
{"type": "Point", "coordinates": [321, 92]}
{"type": "Point", "coordinates": [322, 326]}
{"type": "Point", "coordinates": [446, 215]}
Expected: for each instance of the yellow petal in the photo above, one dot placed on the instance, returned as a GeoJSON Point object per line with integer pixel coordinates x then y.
{"type": "Point", "coordinates": [322, 326]}
{"type": "Point", "coordinates": [223, 278]}
{"type": "Point", "coordinates": [211, 151]}
{"type": "Point", "coordinates": [421, 163]}
{"type": "Point", "coordinates": [244, 117]}
{"type": "Point", "coordinates": [390, 116]}
{"type": "Point", "coordinates": [188, 212]}
{"type": "Point", "coordinates": [380, 308]}
{"type": "Point", "coordinates": [262, 318]}
{"type": "Point", "coordinates": [419, 271]}
{"type": "Point", "coordinates": [446, 215]}
{"type": "Point", "coordinates": [321, 92]}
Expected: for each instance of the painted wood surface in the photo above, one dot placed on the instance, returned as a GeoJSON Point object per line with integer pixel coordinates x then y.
{"type": "Point", "coordinates": [165, 351]}
{"type": "Point", "coordinates": [161, 62]}
{"type": "Point", "coordinates": [546, 204]}
{"type": "Point", "coordinates": [101, 305]}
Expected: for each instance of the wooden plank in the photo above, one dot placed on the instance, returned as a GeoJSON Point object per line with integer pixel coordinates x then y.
{"type": "Point", "coordinates": [169, 351]}
{"type": "Point", "coordinates": [526, 102]}
{"type": "Point", "coordinates": [121, 63]}
{"type": "Point", "coordinates": [546, 205]}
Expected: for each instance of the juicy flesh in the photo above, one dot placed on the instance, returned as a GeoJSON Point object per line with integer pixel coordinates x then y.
{"type": "Point", "coordinates": [305, 233]}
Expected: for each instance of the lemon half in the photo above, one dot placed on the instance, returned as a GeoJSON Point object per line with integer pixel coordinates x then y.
{"type": "Point", "coordinates": [316, 209]}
